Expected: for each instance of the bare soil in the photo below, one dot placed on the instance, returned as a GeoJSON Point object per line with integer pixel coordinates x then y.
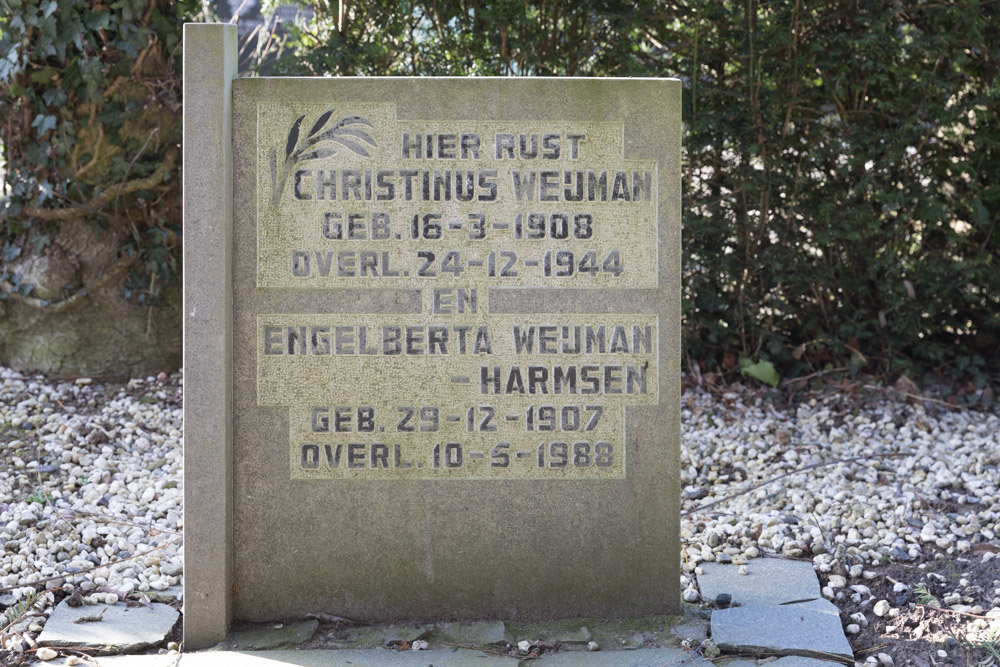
{"type": "Point", "coordinates": [926, 626]}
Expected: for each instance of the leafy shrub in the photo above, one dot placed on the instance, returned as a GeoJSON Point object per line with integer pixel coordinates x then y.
{"type": "Point", "coordinates": [90, 98]}
{"type": "Point", "coordinates": [841, 201]}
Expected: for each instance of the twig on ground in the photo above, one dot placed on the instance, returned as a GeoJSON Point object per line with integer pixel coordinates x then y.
{"type": "Point", "coordinates": [103, 517]}
{"type": "Point", "coordinates": [485, 650]}
{"type": "Point", "coordinates": [803, 378]}
{"type": "Point", "coordinates": [95, 567]}
{"type": "Point", "coordinates": [916, 397]}
{"type": "Point", "coordinates": [872, 648]}
{"type": "Point", "coordinates": [954, 611]}
{"type": "Point", "coordinates": [794, 472]}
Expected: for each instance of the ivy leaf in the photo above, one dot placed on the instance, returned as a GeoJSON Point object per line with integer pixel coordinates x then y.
{"type": "Point", "coordinates": [761, 370]}
{"type": "Point", "coordinates": [43, 75]}
{"type": "Point", "coordinates": [10, 252]}
{"type": "Point", "coordinates": [90, 70]}
{"type": "Point", "coordinates": [44, 123]}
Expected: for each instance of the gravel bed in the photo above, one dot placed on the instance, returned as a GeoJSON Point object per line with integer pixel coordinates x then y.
{"type": "Point", "coordinates": [886, 479]}
{"type": "Point", "coordinates": [91, 482]}
{"type": "Point", "coordinates": [91, 489]}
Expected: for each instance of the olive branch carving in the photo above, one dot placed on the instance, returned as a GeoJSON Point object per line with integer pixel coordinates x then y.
{"type": "Point", "coordinates": [317, 144]}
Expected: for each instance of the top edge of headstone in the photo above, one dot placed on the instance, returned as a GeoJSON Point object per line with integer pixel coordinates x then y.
{"type": "Point", "coordinates": [616, 79]}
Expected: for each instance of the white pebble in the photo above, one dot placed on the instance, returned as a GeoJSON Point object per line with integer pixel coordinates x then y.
{"type": "Point", "coordinates": [886, 659]}
{"type": "Point", "coordinates": [852, 629]}
{"type": "Point", "coordinates": [46, 654]}
{"type": "Point", "coordinates": [881, 608]}
{"type": "Point", "coordinates": [592, 646]}
{"type": "Point", "coordinates": [418, 645]}
{"type": "Point", "coordinates": [524, 646]}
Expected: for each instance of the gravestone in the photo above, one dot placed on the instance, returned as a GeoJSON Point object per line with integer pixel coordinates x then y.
{"type": "Point", "coordinates": [431, 346]}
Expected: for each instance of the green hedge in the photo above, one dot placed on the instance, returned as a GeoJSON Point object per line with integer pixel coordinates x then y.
{"type": "Point", "coordinates": [90, 103]}
{"type": "Point", "coordinates": [841, 158]}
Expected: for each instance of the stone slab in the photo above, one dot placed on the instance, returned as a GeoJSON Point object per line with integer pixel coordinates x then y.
{"type": "Point", "coordinates": [768, 581]}
{"type": "Point", "coordinates": [475, 633]}
{"type": "Point", "coordinates": [694, 630]}
{"type": "Point", "coordinates": [505, 518]}
{"type": "Point", "coordinates": [808, 630]}
{"type": "Point", "coordinates": [280, 635]}
{"type": "Point", "coordinates": [643, 657]}
{"type": "Point", "coordinates": [610, 634]}
{"type": "Point", "coordinates": [378, 636]}
{"type": "Point", "coordinates": [335, 658]}
{"type": "Point", "coordinates": [122, 627]}
{"type": "Point", "coordinates": [168, 594]}
{"type": "Point", "coordinates": [210, 65]}
{"type": "Point", "coordinates": [799, 661]}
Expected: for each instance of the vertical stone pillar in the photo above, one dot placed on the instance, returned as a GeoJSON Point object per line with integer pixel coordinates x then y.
{"type": "Point", "coordinates": [210, 65]}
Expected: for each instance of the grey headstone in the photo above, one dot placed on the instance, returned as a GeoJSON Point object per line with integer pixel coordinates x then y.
{"type": "Point", "coordinates": [768, 581]}
{"type": "Point", "coordinates": [125, 628]}
{"type": "Point", "coordinates": [808, 629]}
{"type": "Point", "coordinates": [209, 69]}
{"type": "Point", "coordinates": [565, 216]}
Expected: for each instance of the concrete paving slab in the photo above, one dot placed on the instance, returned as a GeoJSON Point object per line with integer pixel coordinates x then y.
{"type": "Point", "coordinates": [694, 630]}
{"type": "Point", "coordinates": [799, 661]}
{"type": "Point", "coordinates": [282, 635]}
{"type": "Point", "coordinates": [125, 628]}
{"type": "Point", "coordinates": [768, 581]}
{"type": "Point", "coordinates": [821, 605]}
{"type": "Point", "coordinates": [335, 658]}
{"type": "Point", "coordinates": [792, 629]}
{"type": "Point", "coordinates": [474, 633]}
{"type": "Point", "coordinates": [643, 657]}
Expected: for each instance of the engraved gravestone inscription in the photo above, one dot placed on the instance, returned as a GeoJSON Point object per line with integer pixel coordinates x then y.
{"type": "Point", "coordinates": [455, 208]}
{"type": "Point", "coordinates": [455, 338]}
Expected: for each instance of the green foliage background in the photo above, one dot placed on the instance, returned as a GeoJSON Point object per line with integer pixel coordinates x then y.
{"type": "Point", "coordinates": [90, 102]}
{"type": "Point", "coordinates": [840, 169]}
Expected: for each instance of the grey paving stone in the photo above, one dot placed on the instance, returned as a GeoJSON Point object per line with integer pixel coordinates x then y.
{"type": "Point", "coordinates": [735, 662]}
{"type": "Point", "coordinates": [377, 636]}
{"type": "Point", "coordinates": [286, 635]}
{"type": "Point", "coordinates": [126, 628]}
{"type": "Point", "coordinates": [794, 629]}
{"type": "Point", "coordinates": [768, 581]}
{"type": "Point", "coordinates": [695, 630]}
{"type": "Point", "coordinates": [168, 594]}
{"type": "Point", "coordinates": [643, 657]}
{"type": "Point", "coordinates": [799, 661]}
{"type": "Point", "coordinates": [476, 633]}
{"type": "Point", "coordinates": [336, 658]}
{"type": "Point", "coordinates": [821, 605]}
